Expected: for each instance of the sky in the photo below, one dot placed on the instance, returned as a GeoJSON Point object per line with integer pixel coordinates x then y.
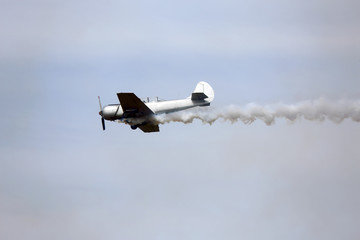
{"type": "Point", "coordinates": [62, 177]}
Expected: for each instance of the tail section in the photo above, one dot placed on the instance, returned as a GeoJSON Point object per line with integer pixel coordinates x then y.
{"type": "Point", "coordinates": [203, 91]}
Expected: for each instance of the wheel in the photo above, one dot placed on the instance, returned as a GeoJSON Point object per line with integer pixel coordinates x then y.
{"type": "Point", "coordinates": [133, 127]}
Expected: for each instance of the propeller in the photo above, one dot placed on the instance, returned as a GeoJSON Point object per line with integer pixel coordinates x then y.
{"type": "Point", "coordinates": [102, 115]}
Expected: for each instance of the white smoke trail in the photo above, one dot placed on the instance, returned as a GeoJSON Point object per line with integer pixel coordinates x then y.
{"type": "Point", "coordinates": [316, 110]}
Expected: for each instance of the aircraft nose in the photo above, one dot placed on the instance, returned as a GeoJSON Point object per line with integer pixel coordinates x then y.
{"type": "Point", "coordinates": [109, 112]}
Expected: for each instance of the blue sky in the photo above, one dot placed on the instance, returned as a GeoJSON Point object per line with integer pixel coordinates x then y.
{"type": "Point", "coordinates": [62, 177]}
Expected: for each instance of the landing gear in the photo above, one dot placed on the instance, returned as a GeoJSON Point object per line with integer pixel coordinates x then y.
{"type": "Point", "coordinates": [134, 127]}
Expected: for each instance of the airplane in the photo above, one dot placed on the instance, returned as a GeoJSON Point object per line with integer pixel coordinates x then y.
{"type": "Point", "coordinates": [140, 113]}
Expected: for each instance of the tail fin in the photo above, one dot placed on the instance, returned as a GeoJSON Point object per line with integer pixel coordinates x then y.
{"type": "Point", "coordinates": [203, 91]}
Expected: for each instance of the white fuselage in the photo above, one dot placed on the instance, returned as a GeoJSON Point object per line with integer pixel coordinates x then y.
{"type": "Point", "coordinates": [142, 114]}
{"type": "Point", "coordinates": [115, 112]}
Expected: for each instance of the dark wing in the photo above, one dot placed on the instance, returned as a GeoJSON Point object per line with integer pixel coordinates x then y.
{"type": "Point", "coordinates": [149, 128]}
{"type": "Point", "coordinates": [133, 106]}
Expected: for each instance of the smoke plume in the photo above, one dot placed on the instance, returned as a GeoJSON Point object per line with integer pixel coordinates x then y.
{"type": "Point", "coordinates": [316, 110]}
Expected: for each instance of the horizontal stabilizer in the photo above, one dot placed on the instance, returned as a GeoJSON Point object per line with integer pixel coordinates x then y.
{"type": "Point", "coordinates": [198, 96]}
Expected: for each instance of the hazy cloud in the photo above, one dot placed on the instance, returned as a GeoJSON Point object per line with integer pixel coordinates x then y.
{"type": "Point", "coordinates": [61, 177]}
